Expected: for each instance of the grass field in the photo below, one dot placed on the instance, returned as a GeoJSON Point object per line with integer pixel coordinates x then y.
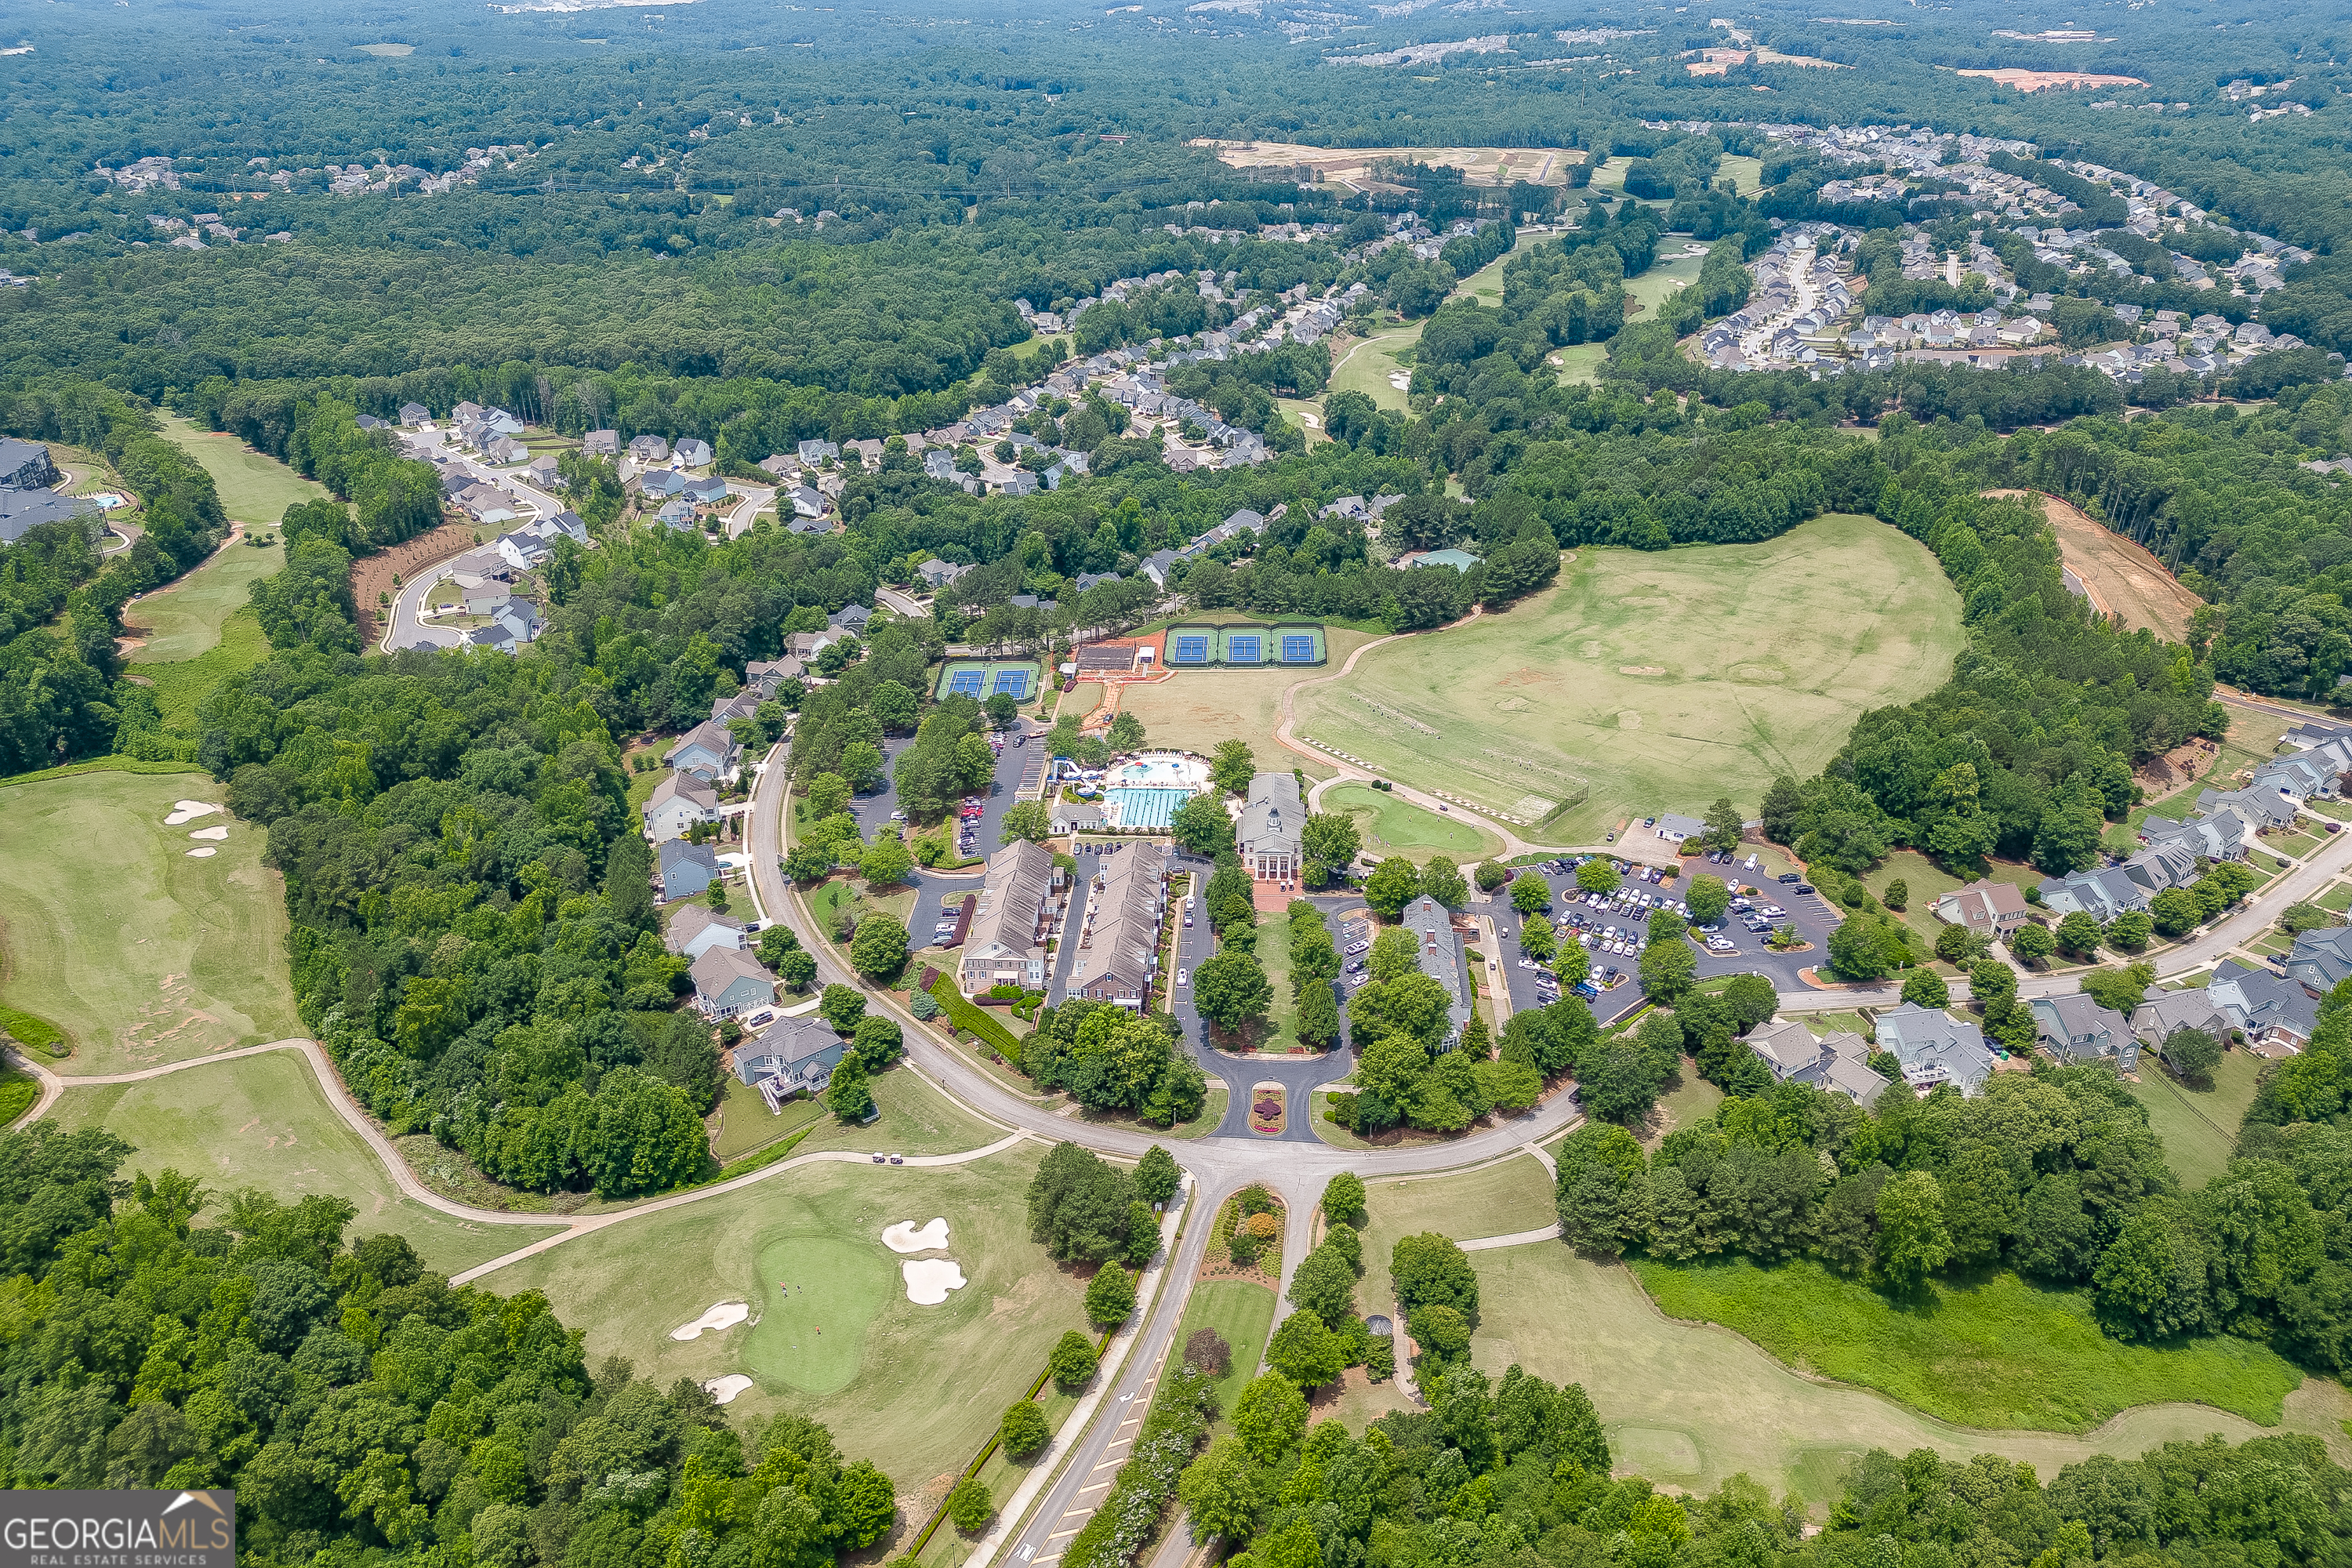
{"type": "Point", "coordinates": [1367, 367]}
{"type": "Point", "coordinates": [2197, 1124]}
{"type": "Point", "coordinates": [1648, 287]}
{"type": "Point", "coordinates": [1746, 175]}
{"type": "Point", "coordinates": [1242, 1310]}
{"type": "Point", "coordinates": [918, 1389]}
{"type": "Point", "coordinates": [1502, 1199]}
{"type": "Point", "coordinates": [263, 1121]}
{"type": "Point", "coordinates": [1391, 825]}
{"type": "Point", "coordinates": [1690, 1099]}
{"type": "Point", "coordinates": [185, 619]}
{"type": "Point", "coordinates": [1197, 709]}
{"type": "Point", "coordinates": [253, 488]}
{"type": "Point", "coordinates": [1926, 882]}
{"type": "Point", "coordinates": [181, 684]}
{"type": "Point", "coordinates": [1662, 679]}
{"type": "Point", "coordinates": [1996, 1353]}
{"type": "Point", "coordinates": [1579, 365]}
{"type": "Point", "coordinates": [1691, 1405]}
{"type": "Point", "coordinates": [138, 953]}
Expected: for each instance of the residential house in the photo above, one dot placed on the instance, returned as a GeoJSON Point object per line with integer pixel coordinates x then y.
{"type": "Point", "coordinates": [2165, 1013]}
{"type": "Point", "coordinates": [413, 414]}
{"type": "Point", "coordinates": [744, 704]}
{"type": "Point", "coordinates": [1118, 945]}
{"type": "Point", "coordinates": [648, 449]}
{"type": "Point", "coordinates": [939, 463]}
{"type": "Point", "coordinates": [806, 645]}
{"type": "Point", "coordinates": [678, 513]}
{"type": "Point", "coordinates": [2074, 1028]}
{"type": "Point", "coordinates": [694, 453]}
{"type": "Point", "coordinates": [2276, 1016]}
{"type": "Point", "coordinates": [484, 564]}
{"type": "Point", "coordinates": [1158, 564]}
{"type": "Point", "coordinates": [768, 676]}
{"type": "Point", "coordinates": [696, 929]}
{"type": "Point", "coordinates": [1935, 1048]}
{"type": "Point", "coordinates": [601, 443]}
{"type": "Point", "coordinates": [937, 573]}
{"type": "Point", "coordinates": [1440, 953]}
{"type": "Point", "coordinates": [1018, 483]}
{"type": "Point", "coordinates": [790, 1057]}
{"type": "Point", "coordinates": [678, 803]}
{"type": "Point", "coordinates": [489, 504]}
{"type": "Point", "coordinates": [545, 471]}
{"type": "Point", "coordinates": [1005, 944]}
{"type": "Point", "coordinates": [1086, 580]}
{"type": "Point", "coordinates": [2216, 835]}
{"type": "Point", "coordinates": [868, 452]}
{"type": "Point", "coordinates": [707, 750]}
{"type": "Point", "coordinates": [505, 449]}
{"type": "Point", "coordinates": [685, 870]}
{"type": "Point", "coordinates": [806, 503]}
{"type": "Point", "coordinates": [1272, 819]}
{"type": "Point", "coordinates": [2261, 808]}
{"type": "Point", "coordinates": [709, 490]}
{"type": "Point", "coordinates": [729, 981]}
{"type": "Point", "coordinates": [812, 452]}
{"type": "Point", "coordinates": [851, 618]}
{"type": "Point", "coordinates": [2103, 892]}
{"type": "Point", "coordinates": [2162, 866]}
{"type": "Point", "coordinates": [2322, 959]}
{"type": "Point", "coordinates": [1840, 1063]}
{"type": "Point", "coordinates": [656, 484]}
{"type": "Point", "coordinates": [1988, 909]}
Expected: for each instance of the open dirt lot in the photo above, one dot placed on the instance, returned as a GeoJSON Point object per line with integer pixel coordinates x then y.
{"type": "Point", "coordinates": [1660, 679]}
{"type": "Point", "coordinates": [1353, 167]}
{"type": "Point", "coordinates": [2036, 81]}
{"type": "Point", "coordinates": [2124, 578]}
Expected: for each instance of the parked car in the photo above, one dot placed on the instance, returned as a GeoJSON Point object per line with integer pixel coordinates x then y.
{"type": "Point", "coordinates": [1184, 977]}
{"type": "Point", "coordinates": [1791, 877]}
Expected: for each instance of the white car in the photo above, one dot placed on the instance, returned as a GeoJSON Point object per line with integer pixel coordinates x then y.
{"type": "Point", "coordinates": [1184, 977]}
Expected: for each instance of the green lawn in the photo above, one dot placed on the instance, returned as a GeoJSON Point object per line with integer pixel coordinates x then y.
{"type": "Point", "coordinates": [1244, 1312]}
{"type": "Point", "coordinates": [180, 685]}
{"type": "Point", "coordinates": [1580, 365]}
{"type": "Point", "coordinates": [18, 1090]}
{"type": "Point", "coordinates": [1927, 881]}
{"type": "Point", "coordinates": [1647, 288]}
{"type": "Point", "coordinates": [140, 953]}
{"type": "Point", "coordinates": [1697, 1405]}
{"type": "Point", "coordinates": [1501, 1199]}
{"type": "Point", "coordinates": [1367, 367]}
{"type": "Point", "coordinates": [1274, 954]}
{"type": "Point", "coordinates": [1998, 1354]}
{"type": "Point", "coordinates": [918, 1388]}
{"type": "Point", "coordinates": [1746, 175]}
{"type": "Point", "coordinates": [1392, 825]}
{"type": "Point", "coordinates": [185, 618]}
{"type": "Point", "coordinates": [255, 488]}
{"type": "Point", "coordinates": [263, 1121]}
{"type": "Point", "coordinates": [1661, 680]}
{"type": "Point", "coordinates": [746, 1123]}
{"type": "Point", "coordinates": [1688, 1101]}
{"type": "Point", "coordinates": [2337, 898]}
{"type": "Point", "coordinates": [2198, 1123]}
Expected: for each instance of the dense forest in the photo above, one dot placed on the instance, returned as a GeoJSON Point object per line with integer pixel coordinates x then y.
{"type": "Point", "coordinates": [162, 1335]}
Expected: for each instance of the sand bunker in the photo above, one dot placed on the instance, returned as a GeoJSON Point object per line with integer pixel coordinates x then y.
{"type": "Point", "coordinates": [724, 1315]}
{"type": "Point", "coordinates": [188, 811]}
{"type": "Point", "coordinates": [220, 832]}
{"type": "Point", "coordinates": [907, 1237]}
{"type": "Point", "coordinates": [930, 1280]}
{"type": "Point", "coordinates": [725, 1389]}
{"type": "Point", "coordinates": [205, 854]}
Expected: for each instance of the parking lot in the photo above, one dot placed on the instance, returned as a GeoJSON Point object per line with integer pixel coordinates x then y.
{"type": "Point", "coordinates": [979, 837]}
{"type": "Point", "coordinates": [1627, 914]}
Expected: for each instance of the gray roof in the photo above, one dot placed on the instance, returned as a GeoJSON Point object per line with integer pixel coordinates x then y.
{"type": "Point", "coordinates": [1273, 816]}
{"type": "Point", "coordinates": [2257, 1002]}
{"type": "Point", "coordinates": [2322, 959]}
{"type": "Point", "coordinates": [21, 511]}
{"type": "Point", "coordinates": [677, 852]}
{"type": "Point", "coordinates": [721, 968]}
{"type": "Point", "coordinates": [1440, 953]}
{"type": "Point", "coordinates": [1935, 1047]}
{"type": "Point", "coordinates": [2155, 1019]}
{"type": "Point", "coordinates": [2077, 1030]}
{"type": "Point", "coordinates": [692, 919]}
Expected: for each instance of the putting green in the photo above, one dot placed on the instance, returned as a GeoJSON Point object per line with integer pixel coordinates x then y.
{"type": "Point", "coordinates": [1654, 680]}
{"type": "Point", "coordinates": [817, 1296]}
{"type": "Point", "coordinates": [1389, 823]}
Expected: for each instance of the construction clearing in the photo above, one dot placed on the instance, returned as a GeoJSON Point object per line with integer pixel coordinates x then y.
{"type": "Point", "coordinates": [2119, 577]}
{"type": "Point", "coordinates": [1359, 168]}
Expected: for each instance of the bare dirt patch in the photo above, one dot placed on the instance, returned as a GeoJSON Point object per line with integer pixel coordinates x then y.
{"type": "Point", "coordinates": [2123, 579]}
{"type": "Point", "coordinates": [373, 574]}
{"type": "Point", "coordinates": [1354, 166]}
{"type": "Point", "coordinates": [2036, 81]}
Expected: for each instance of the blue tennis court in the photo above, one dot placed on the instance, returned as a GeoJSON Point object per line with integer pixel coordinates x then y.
{"type": "Point", "coordinates": [965, 683]}
{"type": "Point", "coordinates": [1145, 808]}
{"type": "Point", "coordinates": [1189, 651]}
{"type": "Point", "coordinates": [1013, 683]}
{"type": "Point", "coordinates": [1243, 648]}
{"type": "Point", "coordinates": [1298, 650]}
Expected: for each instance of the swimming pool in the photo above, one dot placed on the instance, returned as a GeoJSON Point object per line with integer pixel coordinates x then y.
{"type": "Point", "coordinates": [1132, 807]}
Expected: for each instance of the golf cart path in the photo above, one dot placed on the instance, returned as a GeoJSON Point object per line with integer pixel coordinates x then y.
{"type": "Point", "coordinates": [54, 1085]}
